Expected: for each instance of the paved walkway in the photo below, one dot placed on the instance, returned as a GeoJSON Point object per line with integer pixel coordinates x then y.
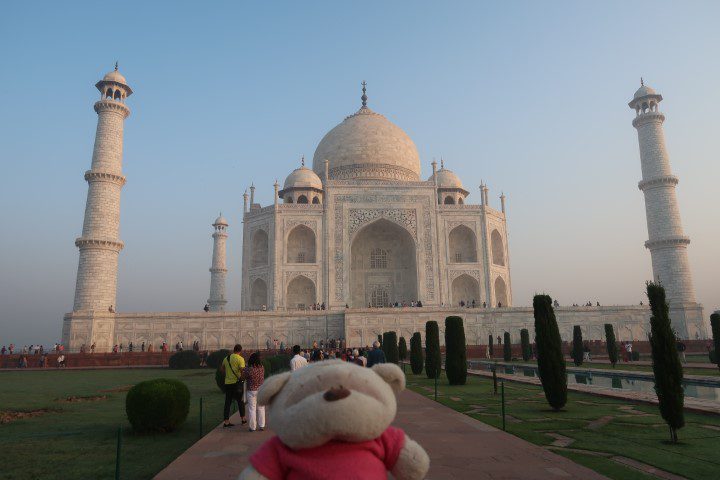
{"type": "Point", "coordinates": [459, 446]}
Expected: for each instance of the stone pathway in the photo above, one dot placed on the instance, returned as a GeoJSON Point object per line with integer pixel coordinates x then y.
{"type": "Point", "coordinates": [459, 446]}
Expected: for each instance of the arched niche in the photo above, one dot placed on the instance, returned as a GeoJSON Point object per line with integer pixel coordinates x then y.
{"type": "Point", "coordinates": [498, 249]}
{"type": "Point", "coordinates": [258, 294]}
{"type": "Point", "coordinates": [259, 253]}
{"type": "Point", "coordinates": [449, 200]}
{"type": "Point", "coordinates": [383, 259]}
{"type": "Point", "coordinates": [302, 199]}
{"type": "Point", "coordinates": [500, 293]}
{"type": "Point", "coordinates": [301, 245]}
{"type": "Point", "coordinates": [466, 289]}
{"type": "Point", "coordinates": [300, 293]}
{"type": "Point", "coordinates": [463, 245]}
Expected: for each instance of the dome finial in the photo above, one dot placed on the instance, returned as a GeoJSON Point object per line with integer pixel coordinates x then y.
{"type": "Point", "coordinates": [116, 65]}
{"type": "Point", "coordinates": [302, 161]}
{"type": "Point", "coordinates": [442, 163]}
{"type": "Point", "coordinates": [364, 96]}
{"type": "Point", "coordinates": [642, 83]}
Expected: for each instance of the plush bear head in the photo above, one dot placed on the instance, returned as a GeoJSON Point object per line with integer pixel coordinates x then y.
{"type": "Point", "coordinates": [331, 400]}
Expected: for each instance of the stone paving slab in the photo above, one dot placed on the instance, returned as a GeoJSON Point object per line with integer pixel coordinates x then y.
{"type": "Point", "coordinates": [459, 446]}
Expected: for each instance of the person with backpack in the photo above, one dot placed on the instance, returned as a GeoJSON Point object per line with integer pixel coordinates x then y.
{"type": "Point", "coordinates": [233, 366]}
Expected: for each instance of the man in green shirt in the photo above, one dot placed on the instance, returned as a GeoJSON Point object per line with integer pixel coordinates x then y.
{"type": "Point", "coordinates": [233, 366]}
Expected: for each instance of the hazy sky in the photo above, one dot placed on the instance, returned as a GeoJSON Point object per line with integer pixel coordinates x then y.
{"type": "Point", "coordinates": [530, 97]}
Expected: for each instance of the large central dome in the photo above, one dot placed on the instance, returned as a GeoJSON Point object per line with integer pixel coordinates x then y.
{"type": "Point", "coordinates": [366, 145]}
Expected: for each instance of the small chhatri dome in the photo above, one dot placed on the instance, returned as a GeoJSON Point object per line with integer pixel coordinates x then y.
{"type": "Point", "coordinates": [115, 76]}
{"type": "Point", "coordinates": [302, 177]}
{"type": "Point", "coordinates": [644, 92]}
{"type": "Point", "coordinates": [366, 145]}
{"type": "Point", "coordinates": [446, 178]}
{"type": "Point", "coordinates": [220, 221]}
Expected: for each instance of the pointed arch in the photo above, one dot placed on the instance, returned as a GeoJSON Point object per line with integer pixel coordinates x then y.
{"type": "Point", "coordinates": [449, 200]}
{"type": "Point", "coordinates": [258, 294]}
{"type": "Point", "coordinates": [462, 243]}
{"type": "Point", "coordinates": [466, 289]}
{"type": "Point", "coordinates": [300, 293]}
{"type": "Point", "coordinates": [302, 199]}
{"type": "Point", "coordinates": [501, 299]}
{"type": "Point", "coordinates": [259, 252]}
{"type": "Point", "coordinates": [301, 245]}
{"type": "Point", "coordinates": [498, 249]}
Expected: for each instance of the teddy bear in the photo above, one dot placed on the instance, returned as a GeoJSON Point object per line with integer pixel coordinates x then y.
{"type": "Point", "coordinates": [332, 420]}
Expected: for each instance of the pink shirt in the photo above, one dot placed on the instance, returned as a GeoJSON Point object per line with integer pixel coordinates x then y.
{"type": "Point", "coordinates": [353, 461]}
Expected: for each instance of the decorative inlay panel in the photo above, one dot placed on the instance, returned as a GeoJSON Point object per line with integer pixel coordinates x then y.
{"type": "Point", "coordinates": [291, 275]}
{"type": "Point", "coordinates": [473, 273]}
{"type": "Point", "coordinates": [406, 217]}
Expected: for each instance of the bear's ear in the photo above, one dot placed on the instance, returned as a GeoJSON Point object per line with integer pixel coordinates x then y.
{"type": "Point", "coordinates": [271, 387]}
{"type": "Point", "coordinates": [392, 374]}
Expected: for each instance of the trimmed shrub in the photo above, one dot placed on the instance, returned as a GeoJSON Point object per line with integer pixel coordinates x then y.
{"type": "Point", "coordinates": [402, 349]}
{"type": "Point", "coordinates": [184, 359]}
{"type": "Point", "coordinates": [416, 354]}
{"type": "Point", "coordinates": [216, 358]}
{"type": "Point", "coordinates": [551, 364]}
{"type": "Point", "coordinates": [390, 347]}
{"type": "Point", "coordinates": [455, 351]}
{"type": "Point", "coordinates": [380, 339]}
{"type": "Point", "coordinates": [267, 366]}
{"type": "Point", "coordinates": [611, 344]}
{"type": "Point", "coordinates": [490, 344]}
{"type": "Point", "coordinates": [577, 346]}
{"type": "Point", "coordinates": [433, 361]}
{"type": "Point", "coordinates": [525, 342]}
{"type": "Point", "coordinates": [635, 356]}
{"type": "Point", "coordinates": [712, 356]}
{"type": "Point", "coordinates": [507, 347]}
{"type": "Point", "coordinates": [715, 326]}
{"type": "Point", "coordinates": [666, 364]}
{"type": "Point", "coordinates": [159, 405]}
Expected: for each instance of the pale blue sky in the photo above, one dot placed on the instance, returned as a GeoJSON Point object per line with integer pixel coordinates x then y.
{"type": "Point", "coordinates": [529, 96]}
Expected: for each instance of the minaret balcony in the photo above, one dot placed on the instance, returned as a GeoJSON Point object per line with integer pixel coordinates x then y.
{"type": "Point", "coordinates": [664, 181]}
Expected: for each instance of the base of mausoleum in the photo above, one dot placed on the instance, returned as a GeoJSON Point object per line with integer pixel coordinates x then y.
{"type": "Point", "coordinates": [359, 327]}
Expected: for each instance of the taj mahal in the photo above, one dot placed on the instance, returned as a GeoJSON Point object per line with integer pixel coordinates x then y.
{"type": "Point", "coordinates": [361, 243]}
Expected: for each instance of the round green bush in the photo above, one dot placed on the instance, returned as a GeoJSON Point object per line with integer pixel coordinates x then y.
{"type": "Point", "coordinates": [215, 358]}
{"type": "Point", "coordinates": [184, 360]}
{"type": "Point", "coordinates": [159, 405]}
{"type": "Point", "coordinates": [635, 356]}
{"type": "Point", "coordinates": [712, 357]}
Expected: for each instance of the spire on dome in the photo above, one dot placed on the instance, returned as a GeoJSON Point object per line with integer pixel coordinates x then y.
{"type": "Point", "coordinates": [364, 96]}
{"type": "Point", "coordinates": [116, 65]}
{"type": "Point", "coordinates": [302, 161]}
{"type": "Point", "coordinates": [442, 163]}
{"type": "Point", "coordinates": [642, 84]}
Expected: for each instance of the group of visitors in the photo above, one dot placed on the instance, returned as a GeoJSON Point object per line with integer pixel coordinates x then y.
{"type": "Point", "coordinates": [587, 304]}
{"type": "Point", "coordinates": [242, 380]}
{"type": "Point", "coordinates": [34, 349]}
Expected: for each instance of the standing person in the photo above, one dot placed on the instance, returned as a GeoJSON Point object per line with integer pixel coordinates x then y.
{"type": "Point", "coordinates": [297, 361]}
{"type": "Point", "coordinates": [487, 351]}
{"type": "Point", "coordinates": [376, 355]}
{"type": "Point", "coordinates": [681, 350]}
{"type": "Point", "coordinates": [254, 374]}
{"type": "Point", "coordinates": [233, 366]}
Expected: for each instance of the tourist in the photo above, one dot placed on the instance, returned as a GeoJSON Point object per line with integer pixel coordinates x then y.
{"type": "Point", "coordinates": [150, 348]}
{"type": "Point", "coordinates": [233, 366]}
{"type": "Point", "coordinates": [92, 348]}
{"type": "Point", "coordinates": [487, 351]}
{"type": "Point", "coordinates": [61, 360]}
{"type": "Point", "coordinates": [267, 344]}
{"type": "Point", "coordinates": [681, 351]}
{"type": "Point", "coordinates": [254, 374]}
{"type": "Point", "coordinates": [628, 351]}
{"type": "Point", "coordinates": [130, 347]}
{"type": "Point", "coordinates": [499, 340]}
{"type": "Point", "coordinates": [206, 307]}
{"type": "Point", "coordinates": [115, 348]}
{"type": "Point", "coordinates": [4, 350]}
{"type": "Point", "coordinates": [359, 359]}
{"type": "Point", "coordinates": [484, 304]}
{"type": "Point", "coordinates": [121, 348]}
{"type": "Point", "coordinates": [142, 347]}
{"type": "Point", "coordinates": [376, 355]}
{"type": "Point", "coordinates": [22, 362]}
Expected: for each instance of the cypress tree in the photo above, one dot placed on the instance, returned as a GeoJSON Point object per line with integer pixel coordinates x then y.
{"type": "Point", "coordinates": [455, 351]}
{"type": "Point", "coordinates": [490, 344]}
{"type": "Point", "coordinates": [715, 325]}
{"type": "Point", "coordinates": [577, 346]}
{"type": "Point", "coordinates": [390, 347]}
{"type": "Point", "coordinates": [525, 342]}
{"type": "Point", "coordinates": [416, 354]}
{"type": "Point", "coordinates": [507, 347]}
{"type": "Point", "coordinates": [551, 364]}
{"type": "Point", "coordinates": [433, 362]}
{"type": "Point", "coordinates": [402, 349]}
{"type": "Point", "coordinates": [611, 344]}
{"type": "Point", "coordinates": [666, 364]}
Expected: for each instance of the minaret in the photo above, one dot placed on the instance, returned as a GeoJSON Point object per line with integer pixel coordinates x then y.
{"type": "Point", "coordinates": [666, 240]}
{"type": "Point", "coordinates": [218, 271]}
{"type": "Point", "coordinates": [100, 244]}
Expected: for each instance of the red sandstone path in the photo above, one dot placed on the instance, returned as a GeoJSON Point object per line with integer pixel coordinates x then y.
{"type": "Point", "coordinates": [459, 446]}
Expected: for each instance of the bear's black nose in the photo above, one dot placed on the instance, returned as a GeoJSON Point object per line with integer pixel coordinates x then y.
{"type": "Point", "coordinates": [336, 393]}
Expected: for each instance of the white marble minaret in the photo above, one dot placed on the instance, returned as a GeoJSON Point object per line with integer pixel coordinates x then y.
{"type": "Point", "coordinates": [100, 243]}
{"type": "Point", "coordinates": [218, 271]}
{"type": "Point", "coordinates": [666, 240]}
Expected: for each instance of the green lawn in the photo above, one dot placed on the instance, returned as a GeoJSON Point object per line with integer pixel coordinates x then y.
{"type": "Point", "coordinates": [78, 439]}
{"type": "Point", "coordinates": [633, 431]}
